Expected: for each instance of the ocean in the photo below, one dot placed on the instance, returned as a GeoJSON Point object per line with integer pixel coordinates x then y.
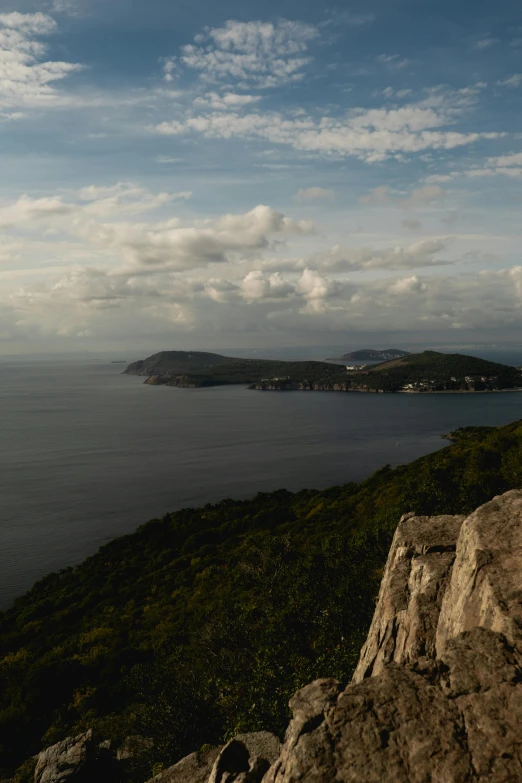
{"type": "Point", "coordinates": [89, 454]}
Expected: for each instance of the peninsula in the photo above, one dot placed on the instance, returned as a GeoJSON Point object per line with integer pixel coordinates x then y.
{"type": "Point", "coordinates": [429, 371]}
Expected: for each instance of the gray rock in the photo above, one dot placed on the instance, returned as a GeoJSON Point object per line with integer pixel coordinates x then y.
{"type": "Point", "coordinates": [246, 758]}
{"type": "Point", "coordinates": [195, 768]}
{"type": "Point", "coordinates": [67, 761]}
{"type": "Point", "coordinates": [486, 587]}
{"type": "Point", "coordinates": [417, 572]}
{"type": "Point", "coordinates": [437, 696]}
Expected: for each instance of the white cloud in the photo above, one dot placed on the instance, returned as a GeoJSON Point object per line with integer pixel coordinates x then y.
{"type": "Point", "coordinates": [372, 135]}
{"type": "Point", "coordinates": [512, 81]}
{"type": "Point", "coordinates": [485, 42]}
{"type": "Point", "coordinates": [358, 259]}
{"type": "Point", "coordinates": [419, 197]}
{"type": "Point", "coordinates": [502, 165]}
{"type": "Point", "coordinates": [408, 285]}
{"type": "Point", "coordinates": [250, 54]}
{"type": "Point", "coordinates": [394, 62]}
{"type": "Point", "coordinates": [227, 100]}
{"type": "Point", "coordinates": [314, 194]}
{"type": "Point", "coordinates": [256, 286]}
{"type": "Point", "coordinates": [26, 78]}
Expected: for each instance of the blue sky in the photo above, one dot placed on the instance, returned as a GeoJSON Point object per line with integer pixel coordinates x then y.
{"type": "Point", "coordinates": [258, 175]}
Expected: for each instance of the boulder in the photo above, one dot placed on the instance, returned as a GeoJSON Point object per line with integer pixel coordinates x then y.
{"type": "Point", "coordinates": [246, 758]}
{"type": "Point", "coordinates": [67, 761]}
{"type": "Point", "coordinates": [195, 768]}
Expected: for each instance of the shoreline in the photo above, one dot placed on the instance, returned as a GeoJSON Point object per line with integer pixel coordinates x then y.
{"type": "Point", "coordinates": [460, 391]}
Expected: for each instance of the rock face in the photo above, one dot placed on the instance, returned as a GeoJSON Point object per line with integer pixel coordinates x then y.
{"type": "Point", "coordinates": [437, 694]}
{"type": "Point", "coordinates": [66, 761]}
{"type": "Point", "coordinates": [81, 760]}
{"type": "Point", "coordinates": [416, 575]}
{"type": "Point", "coordinates": [486, 583]}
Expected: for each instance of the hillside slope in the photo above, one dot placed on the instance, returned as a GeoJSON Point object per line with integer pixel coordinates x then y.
{"type": "Point", "coordinates": [209, 619]}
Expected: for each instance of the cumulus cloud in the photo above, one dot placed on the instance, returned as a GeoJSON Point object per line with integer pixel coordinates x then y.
{"type": "Point", "coordinates": [408, 285]}
{"type": "Point", "coordinates": [314, 194]}
{"type": "Point", "coordinates": [27, 77]}
{"type": "Point", "coordinates": [100, 216]}
{"type": "Point", "coordinates": [256, 286]}
{"type": "Point", "coordinates": [249, 54]}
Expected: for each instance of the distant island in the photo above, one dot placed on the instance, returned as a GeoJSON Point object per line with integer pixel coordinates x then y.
{"type": "Point", "coordinates": [374, 355]}
{"type": "Point", "coordinates": [429, 371]}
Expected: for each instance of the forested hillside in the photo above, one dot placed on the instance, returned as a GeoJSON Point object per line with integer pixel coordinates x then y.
{"type": "Point", "coordinates": [204, 622]}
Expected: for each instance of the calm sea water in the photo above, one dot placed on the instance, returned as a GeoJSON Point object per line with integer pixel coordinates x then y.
{"type": "Point", "coordinates": [89, 454]}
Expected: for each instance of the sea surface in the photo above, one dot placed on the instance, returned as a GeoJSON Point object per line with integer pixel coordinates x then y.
{"type": "Point", "coordinates": [89, 453]}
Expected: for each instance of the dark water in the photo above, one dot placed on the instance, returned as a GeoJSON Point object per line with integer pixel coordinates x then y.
{"type": "Point", "coordinates": [88, 454]}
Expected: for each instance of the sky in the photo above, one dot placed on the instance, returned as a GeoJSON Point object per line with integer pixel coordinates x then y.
{"type": "Point", "coordinates": [197, 175]}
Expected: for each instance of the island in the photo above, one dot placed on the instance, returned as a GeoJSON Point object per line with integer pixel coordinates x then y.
{"type": "Point", "coordinates": [426, 372]}
{"type": "Point", "coordinates": [373, 355]}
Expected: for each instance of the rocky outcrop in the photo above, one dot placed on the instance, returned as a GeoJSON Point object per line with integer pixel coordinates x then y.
{"type": "Point", "coordinates": [195, 768]}
{"type": "Point", "coordinates": [486, 583]}
{"type": "Point", "coordinates": [437, 694]}
{"type": "Point", "coordinates": [82, 759]}
{"type": "Point", "coordinates": [74, 759]}
{"type": "Point", "coordinates": [245, 759]}
{"type": "Point", "coordinates": [416, 576]}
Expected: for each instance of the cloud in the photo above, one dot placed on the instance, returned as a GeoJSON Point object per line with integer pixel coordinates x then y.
{"type": "Point", "coordinates": [250, 54]}
{"type": "Point", "coordinates": [502, 165]}
{"type": "Point", "coordinates": [371, 135]}
{"type": "Point", "coordinates": [512, 81]}
{"type": "Point", "coordinates": [412, 224]}
{"type": "Point", "coordinates": [166, 244]}
{"type": "Point", "coordinates": [419, 197]}
{"type": "Point", "coordinates": [227, 100]}
{"type": "Point", "coordinates": [68, 7]}
{"type": "Point", "coordinates": [485, 43]}
{"type": "Point", "coordinates": [124, 198]}
{"type": "Point", "coordinates": [348, 18]}
{"type": "Point", "coordinates": [256, 286]}
{"type": "Point", "coordinates": [394, 62]}
{"type": "Point", "coordinates": [314, 194]}
{"type": "Point", "coordinates": [27, 78]}
{"type": "Point", "coordinates": [408, 285]}
{"type": "Point", "coordinates": [359, 259]}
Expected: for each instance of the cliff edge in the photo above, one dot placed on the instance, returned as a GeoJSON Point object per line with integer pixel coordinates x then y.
{"type": "Point", "coordinates": [437, 694]}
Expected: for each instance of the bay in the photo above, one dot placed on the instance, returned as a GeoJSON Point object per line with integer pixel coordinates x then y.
{"type": "Point", "coordinates": [88, 453]}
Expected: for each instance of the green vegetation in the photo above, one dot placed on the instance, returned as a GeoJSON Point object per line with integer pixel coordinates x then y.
{"type": "Point", "coordinates": [441, 371]}
{"type": "Point", "coordinates": [428, 371]}
{"type": "Point", "coordinates": [203, 623]}
{"type": "Point", "coordinates": [177, 368]}
{"type": "Point", "coordinates": [376, 355]}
